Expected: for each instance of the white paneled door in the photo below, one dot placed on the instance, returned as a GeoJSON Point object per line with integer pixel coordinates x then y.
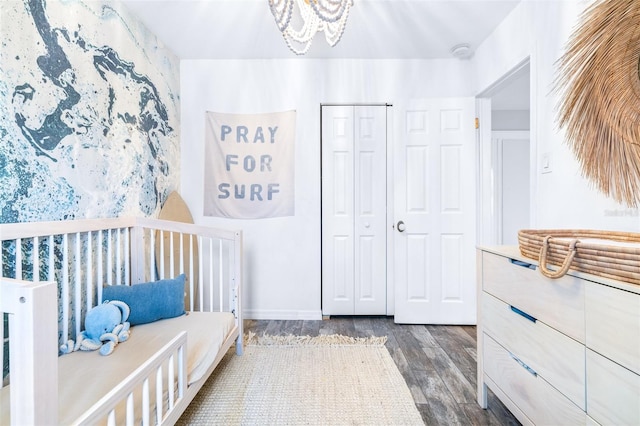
{"type": "Point", "coordinates": [354, 209]}
{"type": "Point", "coordinates": [434, 209]}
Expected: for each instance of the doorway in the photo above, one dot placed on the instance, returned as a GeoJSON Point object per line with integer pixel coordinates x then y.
{"type": "Point", "coordinates": [506, 172]}
{"type": "Point", "coordinates": [354, 209]}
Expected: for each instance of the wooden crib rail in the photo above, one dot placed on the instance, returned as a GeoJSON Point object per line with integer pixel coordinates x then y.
{"type": "Point", "coordinates": [186, 228]}
{"type": "Point", "coordinates": [122, 395]}
{"type": "Point", "coordinates": [12, 231]}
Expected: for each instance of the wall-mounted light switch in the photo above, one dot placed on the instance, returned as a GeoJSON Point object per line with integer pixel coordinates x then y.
{"type": "Point", "coordinates": [546, 162]}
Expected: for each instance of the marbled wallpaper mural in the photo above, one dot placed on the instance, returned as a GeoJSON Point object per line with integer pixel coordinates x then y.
{"type": "Point", "coordinates": [89, 112]}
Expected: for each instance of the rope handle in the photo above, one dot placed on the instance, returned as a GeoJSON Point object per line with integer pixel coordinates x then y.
{"type": "Point", "coordinates": [565, 265]}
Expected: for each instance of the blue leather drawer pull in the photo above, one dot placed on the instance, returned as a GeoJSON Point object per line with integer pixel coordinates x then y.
{"type": "Point", "coordinates": [523, 264]}
{"type": "Point", "coordinates": [523, 365]}
{"type": "Point", "coordinates": [523, 314]}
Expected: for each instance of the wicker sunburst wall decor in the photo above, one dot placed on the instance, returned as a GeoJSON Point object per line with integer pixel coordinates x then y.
{"type": "Point", "coordinates": [599, 84]}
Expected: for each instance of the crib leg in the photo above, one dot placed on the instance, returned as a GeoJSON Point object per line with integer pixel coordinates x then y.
{"type": "Point", "coordinates": [33, 330]}
{"type": "Point", "coordinates": [239, 345]}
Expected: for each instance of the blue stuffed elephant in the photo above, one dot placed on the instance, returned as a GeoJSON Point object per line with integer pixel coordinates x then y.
{"type": "Point", "coordinates": [105, 326]}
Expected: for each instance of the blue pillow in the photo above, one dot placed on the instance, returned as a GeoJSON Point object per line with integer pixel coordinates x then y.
{"type": "Point", "coordinates": [150, 301]}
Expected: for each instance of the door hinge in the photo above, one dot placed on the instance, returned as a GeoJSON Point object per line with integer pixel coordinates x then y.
{"type": "Point", "coordinates": [477, 123]}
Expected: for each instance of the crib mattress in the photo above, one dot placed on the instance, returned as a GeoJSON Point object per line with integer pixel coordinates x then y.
{"type": "Point", "coordinates": [81, 375]}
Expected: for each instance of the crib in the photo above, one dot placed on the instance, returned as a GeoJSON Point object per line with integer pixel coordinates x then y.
{"type": "Point", "coordinates": [53, 273]}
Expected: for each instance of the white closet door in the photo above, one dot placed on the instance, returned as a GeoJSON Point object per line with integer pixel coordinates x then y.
{"type": "Point", "coordinates": [354, 210]}
{"type": "Point", "coordinates": [337, 210]}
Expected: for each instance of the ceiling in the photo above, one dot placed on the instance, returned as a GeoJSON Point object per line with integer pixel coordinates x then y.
{"type": "Point", "coordinates": [376, 29]}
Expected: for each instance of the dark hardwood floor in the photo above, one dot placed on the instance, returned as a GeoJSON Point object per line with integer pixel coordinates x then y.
{"type": "Point", "coordinates": [437, 362]}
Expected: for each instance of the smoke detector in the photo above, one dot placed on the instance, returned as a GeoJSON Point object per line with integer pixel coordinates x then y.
{"type": "Point", "coordinates": [461, 51]}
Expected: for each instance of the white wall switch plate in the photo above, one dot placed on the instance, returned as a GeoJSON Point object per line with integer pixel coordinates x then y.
{"type": "Point", "coordinates": [546, 162]}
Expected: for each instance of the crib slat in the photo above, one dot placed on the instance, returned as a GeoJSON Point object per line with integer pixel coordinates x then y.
{"type": "Point", "coordinates": [152, 256]}
{"type": "Point", "coordinates": [201, 272]}
{"type": "Point", "coordinates": [51, 259]}
{"type": "Point", "coordinates": [65, 286]}
{"type": "Point", "coordinates": [162, 248]}
{"type": "Point", "coordinates": [127, 257]}
{"type": "Point", "coordinates": [181, 271]}
{"type": "Point", "coordinates": [182, 372]}
{"type": "Point", "coordinates": [130, 413]}
{"type": "Point", "coordinates": [159, 394]}
{"type": "Point", "coordinates": [109, 259]}
{"type": "Point", "coordinates": [36, 259]}
{"type": "Point", "coordinates": [18, 267]}
{"type": "Point", "coordinates": [191, 276]}
{"type": "Point", "coordinates": [170, 388]}
{"type": "Point", "coordinates": [172, 259]}
{"type": "Point", "coordinates": [235, 281]}
{"type": "Point", "coordinates": [77, 303]}
{"type": "Point", "coordinates": [99, 260]}
{"type": "Point", "coordinates": [211, 272]}
{"type": "Point", "coordinates": [89, 271]}
{"type": "Point", "coordinates": [220, 277]}
{"type": "Point", "coordinates": [145, 402]}
{"type": "Point", "coordinates": [118, 257]}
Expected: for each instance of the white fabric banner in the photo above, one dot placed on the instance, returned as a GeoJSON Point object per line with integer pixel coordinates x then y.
{"type": "Point", "coordinates": [249, 165]}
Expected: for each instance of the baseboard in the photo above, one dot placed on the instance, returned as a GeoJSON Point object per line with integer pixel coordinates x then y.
{"type": "Point", "coordinates": [260, 314]}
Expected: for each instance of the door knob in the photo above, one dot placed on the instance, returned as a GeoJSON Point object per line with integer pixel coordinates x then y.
{"type": "Point", "coordinates": [401, 226]}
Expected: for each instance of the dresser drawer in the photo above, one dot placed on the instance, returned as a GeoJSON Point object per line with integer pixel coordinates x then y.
{"type": "Point", "coordinates": [552, 355]}
{"type": "Point", "coordinates": [558, 303]}
{"type": "Point", "coordinates": [613, 324]}
{"type": "Point", "coordinates": [537, 399]}
{"type": "Point", "coordinates": [613, 392]}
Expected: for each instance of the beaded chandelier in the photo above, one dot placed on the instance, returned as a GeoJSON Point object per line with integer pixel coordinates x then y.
{"type": "Point", "coordinates": [310, 17]}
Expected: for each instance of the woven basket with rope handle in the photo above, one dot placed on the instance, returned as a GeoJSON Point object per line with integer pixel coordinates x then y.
{"type": "Point", "coordinates": [609, 254]}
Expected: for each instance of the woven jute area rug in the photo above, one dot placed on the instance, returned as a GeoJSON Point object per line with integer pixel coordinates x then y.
{"type": "Point", "coordinates": [324, 380]}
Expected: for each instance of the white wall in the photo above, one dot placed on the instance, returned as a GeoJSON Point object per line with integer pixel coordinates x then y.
{"type": "Point", "coordinates": [510, 119]}
{"type": "Point", "coordinates": [539, 30]}
{"type": "Point", "coordinates": [283, 254]}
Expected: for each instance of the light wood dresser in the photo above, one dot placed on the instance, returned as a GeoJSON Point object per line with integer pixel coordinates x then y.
{"type": "Point", "coordinates": [557, 352]}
